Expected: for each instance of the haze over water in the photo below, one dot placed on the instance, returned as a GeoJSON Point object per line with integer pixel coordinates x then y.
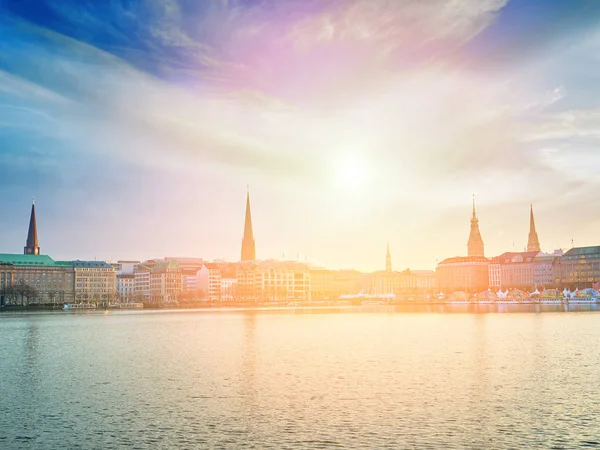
{"type": "Point", "coordinates": [365, 377]}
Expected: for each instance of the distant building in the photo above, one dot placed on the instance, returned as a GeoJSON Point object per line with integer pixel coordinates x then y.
{"type": "Point", "coordinates": [209, 282]}
{"type": "Point", "coordinates": [346, 282]}
{"type": "Point", "coordinates": [388, 260]}
{"type": "Point", "coordinates": [578, 268]}
{"type": "Point", "coordinates": [95, 281]}
{"type": "Point", "coordinates": [513, 270]}
{"type": "Point", "coordinates": [141, 277]}
{"type": "Point", "coordinates": [321, 284]}
{"type": "Point", "coordinates": [543, 270]}
{"type": "Point", "coordinates": [463, 273]}
{"type": "Point", "coordinates": [126, 287]}
{"type": "Point", "coordinates": [466, 273]}
{"type": "Point", "coordinates": [248, 244]}
{"type": "Point", "coordinates": [53, 281]}
{"type": "Point", "coordinates": [475, 243]}
{"type": "Point", "coordinates": [165, 282]}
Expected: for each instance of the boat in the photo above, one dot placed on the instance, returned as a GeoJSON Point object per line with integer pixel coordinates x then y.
{"type": "Point", "coordinates": [79, 306]}
{"type": "Point", "coordinates": [371, 302]}
{"type": "Point", "coordinates": [127, 306]}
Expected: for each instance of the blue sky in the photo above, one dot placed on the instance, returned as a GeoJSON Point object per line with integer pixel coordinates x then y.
{"type": "Point", "coordinates": [138, 125]}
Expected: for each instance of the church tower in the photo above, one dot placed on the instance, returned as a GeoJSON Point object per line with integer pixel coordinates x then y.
{"type": "Point", "coordinates": [533, 243]}
{"type": "Point", "coordinates": [388, 260]}
{"type": "Point", "coordinates": [475, 244]}
{"type": "Point", "coordinates": [32, 246]}
{"type": "Point", "coordinates": [248, 246]}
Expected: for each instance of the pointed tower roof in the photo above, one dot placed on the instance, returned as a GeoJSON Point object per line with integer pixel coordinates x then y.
{"type": "Point", "coordinates": [388, 259]}
{"type": "Point", "coordinates": [475, 244]}
{"type": "Point", "coordinates": [248, 245]}
{"type": "Point", "coordinates": [32, 244]}
{"type": "Point", "coordinates": [533, 243]}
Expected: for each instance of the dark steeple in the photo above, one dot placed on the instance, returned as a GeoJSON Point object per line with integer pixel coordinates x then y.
{"type": "Point", "coordinates": [533, 243]}
{"type": "Point", "coordinates": [248, 246]}
{"type": "Point", "coordinates": [388, 260]}
{"type": "Point", "coordinates": [32, 245]}
{"type": "Point", "coordinates": [475, 244]}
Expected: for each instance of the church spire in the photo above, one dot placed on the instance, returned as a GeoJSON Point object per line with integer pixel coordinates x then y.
{"type": "Point", "coordinates": [388, 259]}
{"type": "Point", "coordinates": [248, 246]}
{"type": "Point", "coordinates": [475, 244]}
{"type": "Point", "coordinates": [32, 245]}
{"type": "Point", "coordinates": [533, 243]}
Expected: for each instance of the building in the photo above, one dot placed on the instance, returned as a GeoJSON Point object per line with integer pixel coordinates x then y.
{"type": "Point", "coordinates": [141, 275]}
{"type": "Point", "coordinates": [126, 287]}
{"type": "Point", "coordinates": [463, 273]}
{"type": "Point", "coordinates": [32, 246]}
{"type": "Point", "coordinates": [513, 270]}
{"type": "Point", "coordinates": [321, 284]}
{"type": "Point", "coordinates": [466, 273]}
{"type": "Point", "coordinates": [51, 281]}
{"type": "Point", "coordinates": [248, 278]}
{"type": "Point", "coordinates": [209, 282]}
{"type": "Point", "coordinates": [125, 267]}
{"type": "Point", "coordinates": [578, 268]}
{"type": "Point", "coordinates": [346, 282]}
{"type": "Point", "coordinates": [533, 243]}
{"type": "Point", "coordinates": [248, 244]}
{"type": "Point", "coordinates": [543, 269]}
{"type": "Point", "coordinates": [165, 282]}
{"type": "Point", "coordinates": [475, 243]}
{"type": "Point", "coordinates": [228, 287]}
{"type": "Point", "coordinates": [95, 281]}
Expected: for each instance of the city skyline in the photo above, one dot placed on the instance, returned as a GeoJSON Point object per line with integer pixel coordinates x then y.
{"type": "Point", "coordinates": [474, 246]}
{"type": "Point", "coordinates": [356, 124]}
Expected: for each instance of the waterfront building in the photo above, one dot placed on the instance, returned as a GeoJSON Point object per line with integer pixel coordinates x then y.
{"type": "Point", "coordinates": [52, 281]}
{"type": "Point", "coordinates": [95, 281]}
{"type": "Point", "coordinates": [283, 281]}
{"type": "Point", "coordinates": [165, 282]}
{"type": "Point", "coordinates": [248, 244]}
{"type": "Point", "coordinates": [209, 282]}
{"type": "Point", "coordinates": [463, 273]}
{"type": "Point", "coordinates": [578, 268]}
{"type": "Point", "coordinates": [533, 243]}
{"type": "Point", "coordinates": [126, 287]}
{"type": "Point", "coordinates": [543, 269]}
{"type": "Point", "coordinates": [513, 270]}
{"type": "Point", "coordinates": [32, 246]}
{"type": "Point", "coordinates": [321, 284]}
{"type": "Point", "coordinates": [466, 273]}
{"type": "Point", "coordinates": [141, 275]}
{"type": "Point", "coordinates": [346, 282]}
{"type": "Point", "coordinates": [247, 284]}
{"type": "Point", "coordinates": [475, 243]}
{"type": "Point", "coordinates": [228, 286]}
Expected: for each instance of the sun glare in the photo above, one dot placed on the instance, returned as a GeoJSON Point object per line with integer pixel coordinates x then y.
{"type": "Point", "coordinates": [351, 173]}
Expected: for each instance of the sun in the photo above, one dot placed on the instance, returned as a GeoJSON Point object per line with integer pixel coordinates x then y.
{"type": "Point", "coordinates": [351, 173]}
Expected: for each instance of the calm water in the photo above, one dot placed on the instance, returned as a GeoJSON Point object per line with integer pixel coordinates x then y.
{"type": "Point", "coordinates": [370, 378]}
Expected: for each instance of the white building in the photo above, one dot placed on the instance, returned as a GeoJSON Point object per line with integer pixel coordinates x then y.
{"type": "Point", "coordinates": [209, 281]}
{"type": "Point", "coordinates": [126, 287]}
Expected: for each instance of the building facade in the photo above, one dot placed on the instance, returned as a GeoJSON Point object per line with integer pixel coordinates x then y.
{"type": "Point", "coordinates": [95, 281]}
{"type": "Point", "coordinates": [51, 281]}
{"type": "Point", "coordinates": [578, 268]}
{"type": "Point", "coordinates": [463, 273]}
{"type": "Point", "coordinates": [126, 287]}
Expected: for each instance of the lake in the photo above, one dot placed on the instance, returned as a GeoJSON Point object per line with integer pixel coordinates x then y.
{"type": "Point", "coordinates": [363, 377]}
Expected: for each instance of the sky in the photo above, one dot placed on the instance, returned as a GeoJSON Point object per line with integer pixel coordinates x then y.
{"type": "Point", "coordinates": [138, 125]}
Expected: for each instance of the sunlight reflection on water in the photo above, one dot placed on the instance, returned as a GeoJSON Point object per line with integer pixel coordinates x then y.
{"type": "Point", "coordinates": [365, 377]}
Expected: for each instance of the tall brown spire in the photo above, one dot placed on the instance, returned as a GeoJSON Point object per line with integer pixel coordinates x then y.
{"type": "Point", "coordinates": [248, 245]}
{"type": "Point", "coordinates": [388, 259]}
{"type": "Point", "coordinates": [533, 243]}
{"type": "Point", "coordinates": [32, 245]}
{"type": "Point", "coordinates": [475, 244]}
